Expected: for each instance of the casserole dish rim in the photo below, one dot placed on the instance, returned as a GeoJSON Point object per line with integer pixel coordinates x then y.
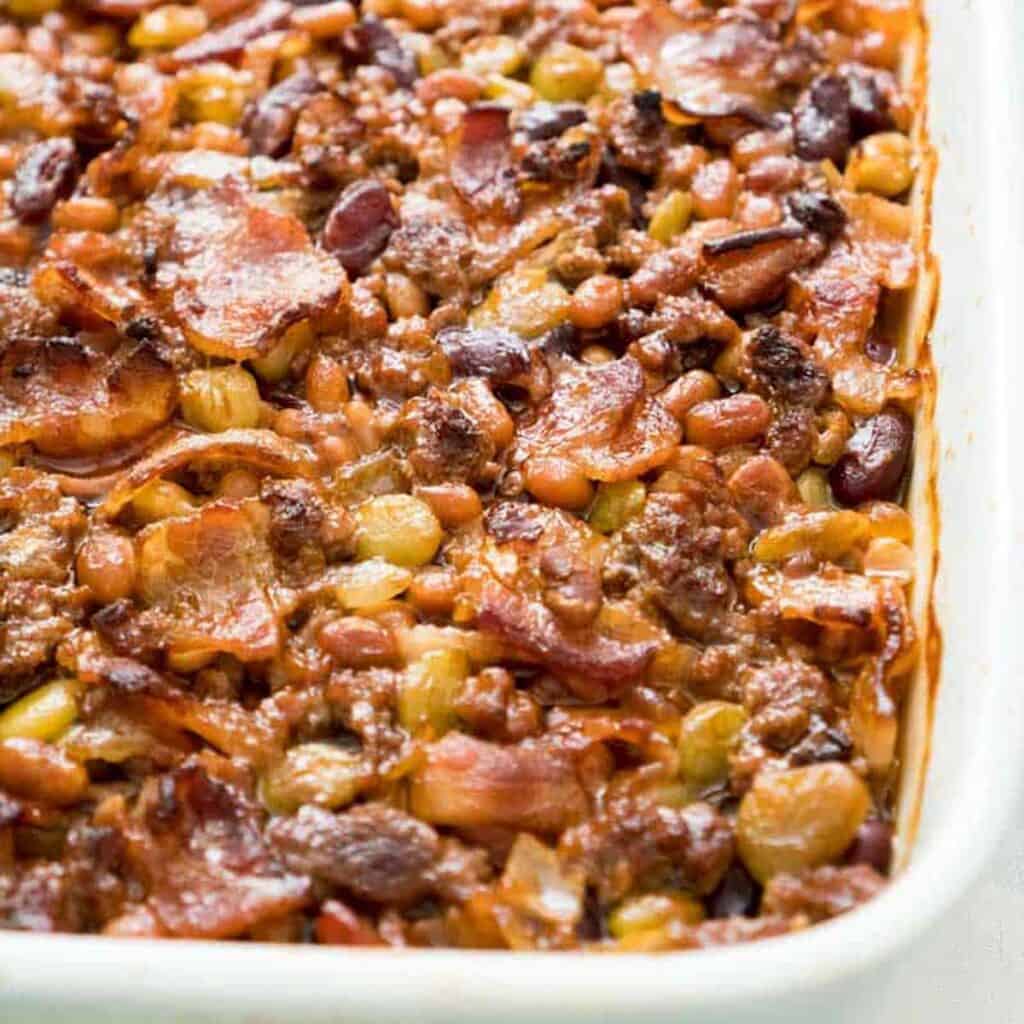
{"type": "Point", "coordinates": [83, 970]}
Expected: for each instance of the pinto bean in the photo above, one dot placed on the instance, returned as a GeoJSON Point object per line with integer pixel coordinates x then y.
{"type": "Point", "coordinates": [41, 771]}
{"type": "Point", "coordinates": [596, 302]}
{"type": "Point", "coordinates": [723, 422]}
{"type": "Point", "coordinates": [689, 390]}
{"type": "Point", "coordinates": [875, 458]}
{"type": "Point", "coordinates": [715, 189]}
{"type": "Point", "coordinates": [558, 482]}
{"type": "Point", "coordinates": [355, 642]}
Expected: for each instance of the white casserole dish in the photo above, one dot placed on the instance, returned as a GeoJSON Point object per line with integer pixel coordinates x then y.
{"type": "Point", "coordinates": [834, 972]}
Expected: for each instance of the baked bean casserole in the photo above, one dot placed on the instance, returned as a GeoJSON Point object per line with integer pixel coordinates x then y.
{"type": "Point", "coordinates": [451, 455]}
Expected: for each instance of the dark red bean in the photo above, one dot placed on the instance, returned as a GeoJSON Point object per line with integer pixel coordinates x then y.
{"type": "Point", "coordinates": [872, 466]}
{"type": "Point", "coordinates": [46, 173]}
{"type": "Point", "coordinates": [372, 42]}
{"type": "Point", "coordinates": [549, 120]}
{"type": "Point", "coordinates": [490, 352]}
{"type": "Point", "coordinates": [817, 211]}
{"type": "Point", "coordinates": [269, 123]}
{"type": "Point", "coordinates": [869, 107]}
{"type": "Point", "coordinates": [737, 895]}
{"type": "Point", "coordinates": [821, 121]}
{"type": "Point", "coordinates": [360, 224]}
{"type": "Point", "coordinates": [227, 43]}
{"type": "Point", "coordinates": [872, 845]}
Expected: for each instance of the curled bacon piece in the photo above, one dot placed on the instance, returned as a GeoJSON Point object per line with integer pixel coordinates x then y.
{"type": "Point", "coordinates": [261, 449]}
{"type": "Point", "coordinates": [196, 845]}
{"type": "Point", "coordinates": [752, 268]}
{"type": "Point", "coordinates": [204, 580]}
{"type": "Point", "coordinates": [468, 782]}
{"type": "Point", "coordinates": [70, 400]}
{"type": "Point", "coordinates": [591, 664]}
{"type": "Point", "coordinates": [481, 168]}
{"type": "Point", "coordinates": [601, 418]}
{"type": "Point", "coordinates": [724, 66]}
{"type": "Point", "coordinates": [237, 274]}
{"type": "Point", "coordinates": [228, 42]}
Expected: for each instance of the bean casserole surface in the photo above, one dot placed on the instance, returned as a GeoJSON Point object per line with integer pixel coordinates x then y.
{"type": "Point", "coordinates": [450, 465]}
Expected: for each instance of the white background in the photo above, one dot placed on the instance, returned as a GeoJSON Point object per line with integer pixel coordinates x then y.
{"type": "Point", "coordinates": [970, 969]}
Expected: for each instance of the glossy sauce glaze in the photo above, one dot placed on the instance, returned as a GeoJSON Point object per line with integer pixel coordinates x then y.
{"type": "Point", "coordinates": [451, 468]}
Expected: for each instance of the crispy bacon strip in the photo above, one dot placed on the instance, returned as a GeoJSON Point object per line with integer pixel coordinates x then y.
{"type": "Point", "coordinates": [261, 449]}
{"type": "Point", "coordinates": [196, 845]}
{"type": "Point", "coordinates": [70, 400]}
{"type": "Point", "coordinates": [725, 66]}
{"type": "Point", "coordinates": [592, 665]}
{"type": "Point", "coordinates": [205, 582]}
{"type": "Point", "coordinates": [601, 418]}
{"type": "Point", "coordinates": [237, 274]}
{"type": "Point", "coordinates": [467, 782]}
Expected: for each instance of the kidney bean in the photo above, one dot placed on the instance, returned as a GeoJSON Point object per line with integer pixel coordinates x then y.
{"type": "Point", "coordinates": [869, 107]}
{"type": "Point", "coordinates": [549, 120]}
{"type": "Point", "coordinates": [46, 173]}
{"type": "Point", "coordinates": [821, 121]}
{"type": "Point", "coordinates": [872, 465]}
{"type": "Point", "coordinates": [372, 42]}
{"type": "Point", "coordinates": [490, 352]}
{"type": "Point", "coordinates": [360, 224]}
{"type": "Point", "coordinates": [727, 421]}
{"type": "Point", "coordinates": [737, 894]}
{"type": "Point", "coordinates": [271, 120]}
{"type": "Point", "coordinates": [872, 845]}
